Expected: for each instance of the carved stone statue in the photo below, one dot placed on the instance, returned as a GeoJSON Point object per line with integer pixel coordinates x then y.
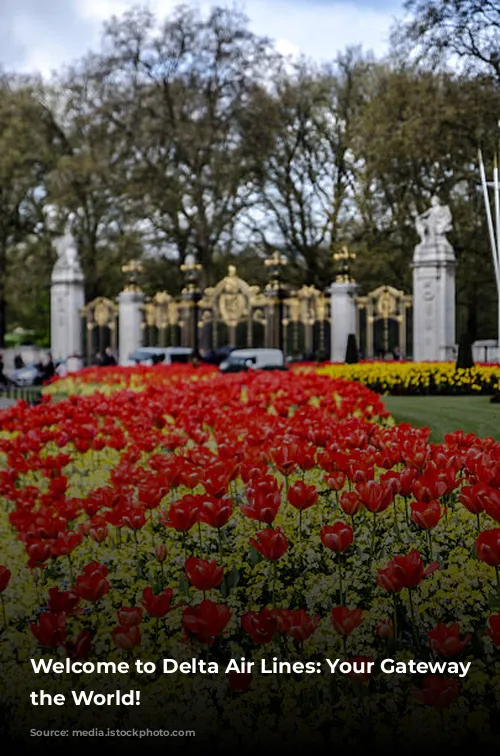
{"type": "Point", "coordinates": [67, 254]}
{"type": "Point", "coordinates": [434, 223]}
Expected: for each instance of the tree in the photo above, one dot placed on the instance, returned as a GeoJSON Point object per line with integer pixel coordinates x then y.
{"type": "Point", "coordinates": [84, 184]}
{"type": "Point", "coordinates": [441, 30]}
{"type": "Point", "coordinates": [27, 143]}
{"type": "Point", "coordinates": [178, 97]}
{"type": "Point", "coordinates": [304, 189]}
{"type": "Point", "coordinates": [416, 136]}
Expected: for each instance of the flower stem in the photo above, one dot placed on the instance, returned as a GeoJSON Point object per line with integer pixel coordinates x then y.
{"type": "Point", "coordinates": [275, 569]}
{"type": "Point", "coordinates": [396, 525]}
{"type": "Point", "coordinates": [4, 613]}
{"type": "Point", "coordinates": [339, 558]}
{"type": "Point", "coordinates": [395, 621]}
{"type": "Point", "coordinates": [429, 539]}
{"type": "Point", "coordinates": [220, 541]}
{"type": "Point", "coordinates": [413, 623]}
{"type": "Point", "coordinates": [374, 533]}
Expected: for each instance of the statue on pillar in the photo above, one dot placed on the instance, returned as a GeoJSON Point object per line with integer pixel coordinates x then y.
{"type": "Point", "coordinates": [67, 253]}
{"type": "Point", "coordinates": [433, 225]}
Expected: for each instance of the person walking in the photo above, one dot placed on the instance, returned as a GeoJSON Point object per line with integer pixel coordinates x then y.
{"type": "Point", "coordinates": [108, 358]}
{"type": "Point", "coordinates": [4, 381]}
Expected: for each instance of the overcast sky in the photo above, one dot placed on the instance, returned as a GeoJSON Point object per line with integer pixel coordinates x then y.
{"type": "Point", "coordinates": [42, 35]}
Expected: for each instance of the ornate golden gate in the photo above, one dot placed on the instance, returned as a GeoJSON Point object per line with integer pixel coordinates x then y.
{"type": "Point", "coordinates": [100, 321]}
{"type": "Point", "coordinates": [235, 313]}
{"type": "Point", "coordinates": [384, 323]}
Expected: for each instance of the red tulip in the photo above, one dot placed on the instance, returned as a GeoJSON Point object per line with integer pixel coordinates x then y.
{"type": "Point", "coordinates": [5, 576]}
{"type": "Point", "coordinates": [493, 628]}
{"type": "Point", "coordinates": [385, 629]}
{"type": "Point", "coordinates": [490, 499]}
{"type": "Point", "coordinates": [302, 496]}
{"type": "Point", "coordinates": [390, 578]}
{"type": "Point", "coordinates": [202, 574]}
{"type": "Point", "coordinates": [426, 514]}
{"type": "Point", "coordinates": [335, 480]}
{"type": "Point", "coordinates": [404, 572]}
{"type": "Point", "coordinates": [261, 626]}
{"type": "Point", "coordinates": [99, 533]}
{"type": "Point", "coordinates": [126, 637]}
{"type": "Point", "coordinates": [345, 620]}
{"type": "Point", "coordinates": [216, 479]}
{"type": "Point", "coordinates": [50, 630]}
{"type": "Point", "coordinates": [488, 547]}
{"type": "Point", "coordinates": [350, 503]}
{"type": "Point", "coordinates": [206, 620]}
{"type": "Point", "coordinates": [182, 514]}
{"type": "Point", "coordinates": [66, 543]}
{"type": "Point", "coordinates": [129, 615]}
{"type": "Point", "coordinates": [264, 497]}
{"type": "Point", "coordinates": [62, 602]}
{"type": "Point", "coordinates": [134, 518]}
{"type": "Point", "coordinates": [160, 552]}
{"type": "Point", "coordinates": [240, 681]}
{"type": "Point", "coordinates": [359, 673]}
{"type": "Point", "coordinates": [80, 647]}
{"type": "Point", "coordinates": [470, 497]}
{"type": "Point", "coordinates": [375, 495]}
{"type": "Point", "coordinates": [445, 641]}
{"type": "Point", "coordinates": [157, 605]}
{"type": "Point", "coordinates": [216, 511]}
{"type": "Point", "coordinates": [38, 553]}
{"type": "Point", "coordinates": [439, 692]}
{"type": "Point", "coordinates": [271, 543]}
{"type": "Point", "coordinates": [92, 584]}
{"type": "Point", "coordinates": [299, 625]}
{"type": "Point", "coordinates": [285, 457]}
{"type": "Point", "coordinates": [337, 537]}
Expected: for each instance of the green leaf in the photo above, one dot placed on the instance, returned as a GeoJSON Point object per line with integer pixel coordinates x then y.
{"type": "Point", "coordinates": [184, 585]}
{"type": "Point", "coordinates": [494, 600]}
{"type": "Point", "coordinates": [254, 556]}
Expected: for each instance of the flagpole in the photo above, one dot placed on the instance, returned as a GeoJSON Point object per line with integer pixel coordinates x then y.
{"type": "Point", "coordinates": [496, 190]}
{"type": "Point", "coordinates": [495, 243]}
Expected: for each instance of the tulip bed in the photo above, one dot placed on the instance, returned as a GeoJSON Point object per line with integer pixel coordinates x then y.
{"type": "Point", "coordinates": [419, 378]}
{"type": "Point", "coordinates": [187, 515]}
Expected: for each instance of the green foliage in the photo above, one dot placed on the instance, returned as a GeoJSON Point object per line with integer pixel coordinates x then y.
{"type": "Point", "coordinates": [195, 137]}
{"type": "Point", "coordinates": [463, 30]}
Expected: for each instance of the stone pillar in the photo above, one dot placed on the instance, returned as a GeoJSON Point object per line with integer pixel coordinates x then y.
{"type": "Point", "coordinates": [343, 317]}
{"type": "Point", "coordinates": [434, 301]}
{"type": "Point", "coordinates": [130, 302]}
{"type": "Point", "coordinates": [66, 301]}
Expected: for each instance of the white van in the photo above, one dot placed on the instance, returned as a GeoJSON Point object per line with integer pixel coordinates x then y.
{"type": "Point", "coordinates": [253, 359]}
{"type": "Point", "coordinates": [163, 355]}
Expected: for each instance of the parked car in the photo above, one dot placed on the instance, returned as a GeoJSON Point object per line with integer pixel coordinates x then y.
{"type": "Point", "coordinates": [253, 359]}
{"type": "Point", "coordinates": [163, 355]}
{"type": "Point", "coordinates": [32, 375]}
{"type": "Point", "coordinates": [216, 356]}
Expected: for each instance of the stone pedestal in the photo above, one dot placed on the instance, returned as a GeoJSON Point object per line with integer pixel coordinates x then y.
{"type": "Point", "coordinates": [66, 301]}
{"type": "Point", "coordinates": [130, 303]}
{"type": "Point", "coordinates": [434, 301]}
{"type": "Point", "coordinates": [343, 318]}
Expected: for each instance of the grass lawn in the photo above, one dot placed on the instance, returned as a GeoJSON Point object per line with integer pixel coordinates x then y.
{"type": "Point", "coordinates": [447, 413]}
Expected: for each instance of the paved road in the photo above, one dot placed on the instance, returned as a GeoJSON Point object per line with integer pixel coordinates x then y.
{"type": "Point", "coordinates": [6, 403]}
